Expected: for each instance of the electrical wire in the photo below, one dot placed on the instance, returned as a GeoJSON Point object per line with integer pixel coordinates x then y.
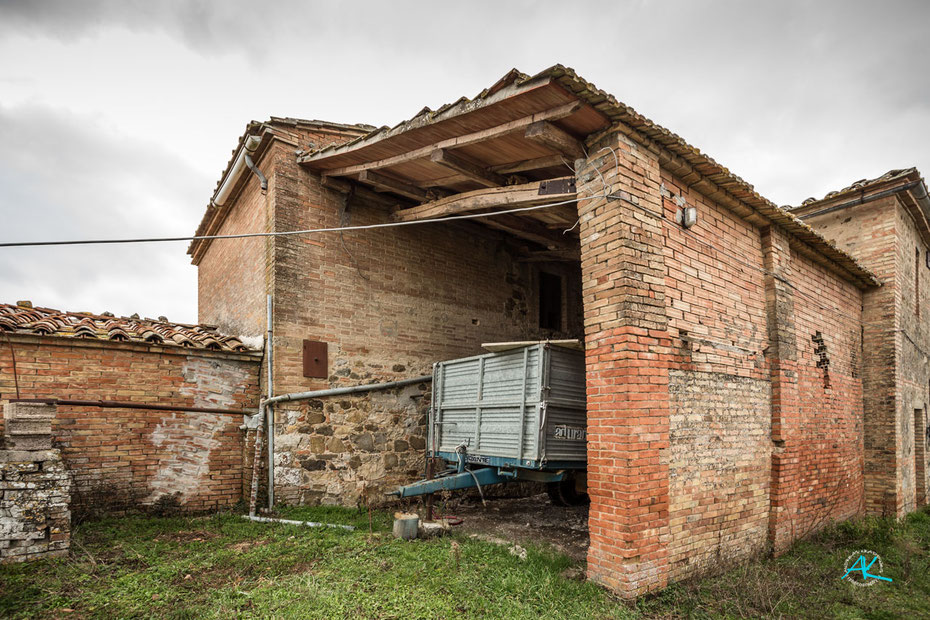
{"type": "Point", "coordinates": [468, 216]}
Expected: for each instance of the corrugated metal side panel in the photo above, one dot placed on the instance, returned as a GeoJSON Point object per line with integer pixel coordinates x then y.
{"type": "Point", "coordinates": [567, 375]}
{"type": "Point", "coordinates": [509, 394]}
{"type": "Point", "coordinates": [568, 447]}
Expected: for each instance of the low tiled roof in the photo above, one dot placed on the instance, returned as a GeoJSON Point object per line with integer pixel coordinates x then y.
{"type": "Point", "coordinates": [25, 319]}
{"type": "Point", "coordinates": [863, 185]}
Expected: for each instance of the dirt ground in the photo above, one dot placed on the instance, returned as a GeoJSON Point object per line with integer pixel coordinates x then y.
{"type": "Point", "coordinates": [524, 520]}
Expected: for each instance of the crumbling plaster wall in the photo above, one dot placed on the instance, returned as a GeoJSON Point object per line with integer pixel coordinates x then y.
{"type": "Point", "coordinates": [126, 459]}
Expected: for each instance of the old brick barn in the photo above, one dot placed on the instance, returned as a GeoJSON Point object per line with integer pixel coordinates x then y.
{"type": "Point", "coordinates": [753, 372]}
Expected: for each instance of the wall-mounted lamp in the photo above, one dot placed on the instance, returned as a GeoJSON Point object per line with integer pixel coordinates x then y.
{"type": "Point", "coordinates": [686, 216]}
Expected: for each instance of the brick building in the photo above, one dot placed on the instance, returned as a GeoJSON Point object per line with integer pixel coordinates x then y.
{"type": "Point", "coordinates": [120, 458]}
{"type": "Point", "coordinates": [883, 222]}
{"type": "Point", "coordinates": [724, 336]}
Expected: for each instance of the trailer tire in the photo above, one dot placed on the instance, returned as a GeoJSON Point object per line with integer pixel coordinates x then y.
{"type": "Point", "coordinates": [564, 493]}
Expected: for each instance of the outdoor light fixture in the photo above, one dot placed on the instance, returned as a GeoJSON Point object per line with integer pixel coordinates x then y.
{"type": "Point", "coordinates": [686, 216]}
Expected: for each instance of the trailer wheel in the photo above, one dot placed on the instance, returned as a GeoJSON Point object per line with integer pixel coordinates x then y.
{"type": "Point", "coordinates": [564, 493]}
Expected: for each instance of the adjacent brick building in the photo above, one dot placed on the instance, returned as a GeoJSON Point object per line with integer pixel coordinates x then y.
{"type": "Point", "coordinates": [883, 223]}
{"type": "Point", "coordinates": [727, 353]}
{"type": "Point", "coordinates": [126, 459]}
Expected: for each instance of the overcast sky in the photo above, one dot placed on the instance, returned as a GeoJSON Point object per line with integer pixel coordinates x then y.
{"type": "Point", "coordinates": [117, 118]}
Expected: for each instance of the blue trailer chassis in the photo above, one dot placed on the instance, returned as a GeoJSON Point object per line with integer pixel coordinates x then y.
{"type": "Point", "coordinates": [466, 471]}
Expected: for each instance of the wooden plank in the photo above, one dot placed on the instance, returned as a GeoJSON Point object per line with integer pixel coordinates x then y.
{"type": "Point", "coordinates": [529, 229]}
{"type": "Point", "coordinates": [390, 184]}
{"type": "Point", "coordinates": [548, 161]}
{"type": "Point", "coordinates": [497, 347]}
{"type": "Point", "coordinates": [554, 138]}
{"type": "Point", "coordinates": [552, 256]}
{"type": "Point", "coordinates": [469, 168]}
{"type": "Point", "coordinates": [452, 143]}
{"type": "Point", "coordinates": [512, 196]}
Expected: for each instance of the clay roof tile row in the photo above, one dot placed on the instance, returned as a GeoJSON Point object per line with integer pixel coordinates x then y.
{"type": "Point", "coordinates": [38, 321]}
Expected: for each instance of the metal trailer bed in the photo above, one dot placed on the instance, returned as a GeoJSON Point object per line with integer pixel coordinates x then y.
{"type": "Point", "coordinates": [516, 414]}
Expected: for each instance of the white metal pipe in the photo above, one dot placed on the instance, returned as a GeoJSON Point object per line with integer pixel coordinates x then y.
{"type": "Point", "coordinates": [269, 410]}
{"type": "Point", "coordinates": [344, 390]}
{"type": "Point", "coordinates": [222, 193]}
{"type": "Point", "coordinates": [291, 522]}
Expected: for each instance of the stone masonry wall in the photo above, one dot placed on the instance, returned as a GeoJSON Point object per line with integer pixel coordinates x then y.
{"type": "Point", "coordinates": [125, 459]}
{"type": "Point", "coordinates": [35, 521]}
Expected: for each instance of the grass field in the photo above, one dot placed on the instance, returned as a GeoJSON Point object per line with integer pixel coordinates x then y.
{"type": "Point", "coordinates": [224, 566]}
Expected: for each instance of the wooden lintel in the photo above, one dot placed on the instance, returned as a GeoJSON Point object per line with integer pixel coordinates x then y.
{"type": "Point", "coordinates": [551, 256]}
{"type": "Point", "coordinates": [554, 138]}
{"type": "Point", "coordinates": [389, 184]}
{"type": "Point", "coordinates": [498, 197]}
{"type": "Point", "coordinates": [529, 229]}
{"type": "Point", "coordinates": [452, 143]}
{"type": "Point", "coordinates": [467, 167]}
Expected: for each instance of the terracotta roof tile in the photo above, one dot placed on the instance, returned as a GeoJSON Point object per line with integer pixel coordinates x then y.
{"type": "Point", "coordinates": [48, 322]}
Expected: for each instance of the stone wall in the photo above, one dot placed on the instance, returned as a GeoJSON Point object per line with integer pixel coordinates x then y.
{"type": "Point", "coordinates": [128, 459]}
{"type": "Point", "coordinates": [35, 520]}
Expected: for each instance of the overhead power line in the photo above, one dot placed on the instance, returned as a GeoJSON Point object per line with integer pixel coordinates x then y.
{"type": "Point", "coordinates": [469, 216]}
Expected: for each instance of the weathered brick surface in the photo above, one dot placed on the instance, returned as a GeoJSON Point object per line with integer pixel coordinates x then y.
{"type": "Point", "coordinates": [127, 458]}
{"type": "Point", "coordinates": [896, 342]}
{"type": "Point", "coordinates": [628, 354]}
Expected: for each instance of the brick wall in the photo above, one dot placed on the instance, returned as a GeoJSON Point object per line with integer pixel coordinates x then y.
{"type": "Point", "coordinates": [719, 460]}
{"type": "Point", "coordinates": [389, 303]}
{"type": "Point", "coordinates": [724, 380]}
{"type": "Point", "coordinates": [126, 458]}
{"type": "Point", "coordinates": [883, 236]}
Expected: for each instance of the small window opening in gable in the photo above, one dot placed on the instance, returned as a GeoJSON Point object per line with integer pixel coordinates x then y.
{"type": "Point", "coordinates": [823, 359]}
{"type": "Point", "coordinates": [550, 301]}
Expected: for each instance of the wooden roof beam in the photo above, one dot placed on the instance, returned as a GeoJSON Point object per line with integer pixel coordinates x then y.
{"type": "Point", "coordinates": [390, 184]}
{"type": "Point", "coordinates": [504, 129]}
{"type": "Point", "coordinates": [531, 230]}
{"type": "Point", "coordinates": [552, 137]}
{"type": "Point", "coordinates": [513, 196]}
{"type": "Point", "coordinates": [467, 167]}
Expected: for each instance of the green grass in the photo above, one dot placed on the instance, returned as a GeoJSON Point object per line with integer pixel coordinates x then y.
{"type": "Point", "coordinates": [224, 566]}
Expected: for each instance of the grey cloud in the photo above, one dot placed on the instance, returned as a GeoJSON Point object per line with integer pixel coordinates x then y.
{"type": "Point", "coordinates": [65, 177]}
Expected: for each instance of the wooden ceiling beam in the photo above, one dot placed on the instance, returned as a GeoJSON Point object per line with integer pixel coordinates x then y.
{"type": "Point", "coordinates": [499, 131]}
{"type": "Point", "coordinates": [531, 230]}
{"type": "Point", "coordinates": [390, 184]}
{"type": "Point", "coordinates": [552, 137]}
{"type": "Point", "coordinates": [512, 196]}
{"type": "Point", "coordinates": [467, 167]}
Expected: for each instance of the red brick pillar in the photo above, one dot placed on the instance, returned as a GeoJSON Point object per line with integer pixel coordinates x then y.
{"type": "Point", "coordinates": [627, 359]}
{"type": "Point", "coordinates": [783, 364]}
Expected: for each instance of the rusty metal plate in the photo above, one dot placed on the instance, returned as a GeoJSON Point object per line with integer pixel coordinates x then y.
{"type": "Point", "coordinates": [315, 359]}
{"type": "Point", "coordinates": [557, 186]}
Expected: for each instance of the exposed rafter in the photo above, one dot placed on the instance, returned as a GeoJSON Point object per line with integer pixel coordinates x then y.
{"type": "Point", "coordinates": [531, 230]}
{"type": "Point", "coordinates": [468, 168]}
{"type": "Point", "coordinates": [535, 193]}
{"type": "Point", "coordinates": [554, 138]}
{"type": "Point", "coordinates": [389, 184]}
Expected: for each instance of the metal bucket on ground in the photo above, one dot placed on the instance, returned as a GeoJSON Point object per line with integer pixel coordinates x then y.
{"type": "Point", "coordinates": [405, 525]}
